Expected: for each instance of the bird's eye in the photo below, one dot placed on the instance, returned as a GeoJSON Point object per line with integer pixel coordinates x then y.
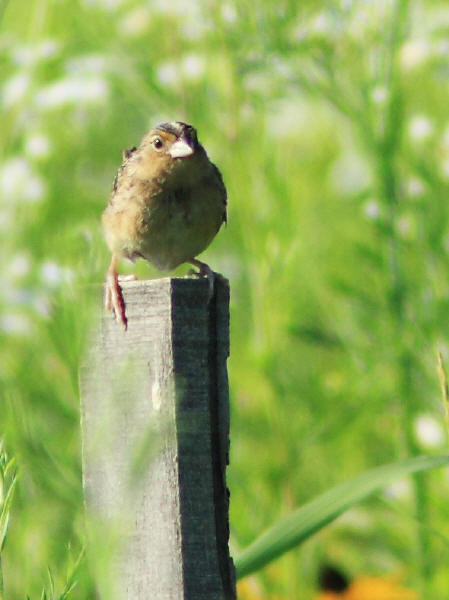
{"type": "Point", "coordinates": [158, 143]}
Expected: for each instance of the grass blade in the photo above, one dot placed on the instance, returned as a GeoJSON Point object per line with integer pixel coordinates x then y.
{"type": "Point", "coordinates": [297, 527]}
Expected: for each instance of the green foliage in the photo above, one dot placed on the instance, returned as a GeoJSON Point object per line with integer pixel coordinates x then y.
{"type": "Point", "coordinates": [8, 480]}
{"type": "Point", "coordinates": [297, 527]}
{"type": "Point", "coordinates": [328, 119]}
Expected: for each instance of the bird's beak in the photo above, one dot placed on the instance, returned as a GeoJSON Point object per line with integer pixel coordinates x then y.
{"type": "Point", "coordinates": [180, 149]}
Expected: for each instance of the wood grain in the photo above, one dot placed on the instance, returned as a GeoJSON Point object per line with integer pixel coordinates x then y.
{"type": "Point", "coordinates": [155, 425]}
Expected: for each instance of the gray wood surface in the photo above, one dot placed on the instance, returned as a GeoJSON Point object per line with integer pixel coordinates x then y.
{"type": "Point", "coordinates": [155, 426]}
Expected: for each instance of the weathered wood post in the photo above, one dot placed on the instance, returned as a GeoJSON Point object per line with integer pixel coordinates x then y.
{"type": "Point", "coordinates": [155, 426]}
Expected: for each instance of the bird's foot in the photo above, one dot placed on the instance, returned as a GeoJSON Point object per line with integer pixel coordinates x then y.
{"type": "Point", "coordinates": [113, 298]}
{"type": "Point", "coordinates": [204, 271]}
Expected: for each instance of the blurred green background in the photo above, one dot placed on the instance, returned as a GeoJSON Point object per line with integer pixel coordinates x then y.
{"type": "Point", "coordinates": [329, 121]}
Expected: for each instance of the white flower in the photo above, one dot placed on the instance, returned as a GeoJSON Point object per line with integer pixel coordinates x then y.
{"type": "Point", "coordinates": [371, 209]}
{"type": "Point", "coordinates": [398, 490]}
{"type": "Point", "coordinates": [177, 8]}
{"type": "Point", "coordinates": [405, 226]}
{"type": "Point", "coordinates": [228, 13]}
{"type": "Point", "coordinates": [91, 64]}
{"type": "Point", "coordinates": [34, 189]}
{"type": "Point", "coordinates": [287, 116]}
{"type": "Point", "coordinates": [37, 145]}
{"type": "Point", "coordinates": [19, 182]}
{"type": "Point", "coordinates": [350, 173]}
{"type": "Point", "coordinates": [109, 5]}
{"type": "Point", "coordinates": [168, 73]}
{"type": "Point", "coordinates": [420, 128]}
{"type": "Point", "coordinates": [18, 266]}
{"type": "Point", "coordinates": [379, 94]}
{"type": "Point", "coordinates": [415, 187]}
{"type": "Point", "coordinates": [41, 305]}
{"type": "Point", "coordinates": [15, 89]}
{"type": "Point", "coordinates": [429, 431]}
{"type": "Point", "coordinates": [72, 90]}
{"type": "Point", "coordinates": [193, 66]}
{"type": "Point", "coordinates": [135, 22]}
{"type": "Point", "coordinates": [53, 274]}
{"type": "Point", "coordinates": [29, 55]}
{"type": "Point", "coordinates": [414, 53]}
{"type": "Point", "coordinates": [13, 323]}
{"type": "Point", "coordinates": [322, 24]}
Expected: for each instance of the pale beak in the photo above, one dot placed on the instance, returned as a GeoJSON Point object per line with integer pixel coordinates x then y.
{"type": "Point", "coordinates": [180, 149]}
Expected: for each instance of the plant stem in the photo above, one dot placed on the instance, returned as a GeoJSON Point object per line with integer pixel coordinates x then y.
{"type": "Point", "coordinates": [388, 150]}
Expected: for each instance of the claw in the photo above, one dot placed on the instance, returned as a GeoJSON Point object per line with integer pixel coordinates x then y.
{"type": "Point", "coordinates": [205, 271]}
{"type": "Point", "coordinates": [113, 298]}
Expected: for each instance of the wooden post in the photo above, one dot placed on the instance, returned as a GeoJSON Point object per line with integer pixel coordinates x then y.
{"type": "Point", "coordinates": [155, 426]}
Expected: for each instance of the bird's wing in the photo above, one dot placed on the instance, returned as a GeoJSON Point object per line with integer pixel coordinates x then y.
{"type": "Point", "coordinates": [224, 194]}
{"type": "Point", "coordinates": [126, 156]}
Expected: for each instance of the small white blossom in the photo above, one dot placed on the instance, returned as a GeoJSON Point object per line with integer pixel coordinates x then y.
{"type": "Point", "coordinates": [371, 209]}
{"type": "Point", "coordinates": [34, 189]}
{"type": "Point", "coordinates": [228, 13]}
{"type": "Point", "coordinates": [405, 226]}
{"type": "Point", "coordinates": [442, 48]}
{"type": "Point", "coordinates": [168, 73]}
{"type": "Point", "coordinates": [18, 266]}
{"type": "Point", "coordinates": [429, 431]}
{"type": "Point", "coordinates": [359, 518]}
{"type": "Point", "coordinates": [86, 64]}
{"type": "Point", "coordinates": [420, 128]}
{"type": "Point", "coordinates": [136, 22]}
{"type": "Point", "coordinates": [109, 5]}
{"type": "Point", "coordinates": [28, 55]}
{"type": "Point", "coordinates": [350, 173]}
{"type": "Point", "coordinates": [193, 66]}
{"type": "Point", "coordinates": [414, 53]}
{"type": "Point", "coordinates": [415, 187]}
{"type": "Point", "coordinates": [72, 90]}
{"type": "Point", "coordinates": [192, 29]}
{"type": "Point", "coordinates": [379, 94]}
{"type": "Point", "coordinates": [15, 89]}
{"type": "Point", "coordinates": [41, 304]}
{"type": "Point", "coordinates": [37, 145]}
{"type": "Point", "coordinates": [179, 8]}
{"type": "Point", "coordinates": [13, 323]}
{"type": "Point", "coordinates": [51, 273]}
{"type": "Point", "coordinates": [322, 24]}
{"type": "Point", "coordinates": [19, 182]}
{"type": "Point", "coordinates": [399, 490]}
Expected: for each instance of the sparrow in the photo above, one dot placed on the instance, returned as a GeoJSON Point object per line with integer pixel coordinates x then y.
{"type": "Point", "coordinates": [167, 204]}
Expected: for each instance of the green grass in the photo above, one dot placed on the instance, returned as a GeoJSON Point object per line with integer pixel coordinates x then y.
{"type": "Point", "coordinates": [329, 122]}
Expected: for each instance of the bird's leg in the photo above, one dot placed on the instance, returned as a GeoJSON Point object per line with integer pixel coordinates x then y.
{"type": "Point", "coordinates": [113, 299]}
{"type": "Point", "coordinates": [130, 277]}
{"type": "Point", "coordinates": [205, 271]}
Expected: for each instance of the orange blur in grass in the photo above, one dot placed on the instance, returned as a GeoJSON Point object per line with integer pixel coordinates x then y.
{"type": "Point", "coordinates": [371, 588]}
{"type": "Point", "coordinates": [362, 588]}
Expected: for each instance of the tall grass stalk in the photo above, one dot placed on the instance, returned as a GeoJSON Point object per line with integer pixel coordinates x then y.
{"type": "Point", "coordinates": [388, 151]}
{"type": "Point", "coordinates": [8, 481]}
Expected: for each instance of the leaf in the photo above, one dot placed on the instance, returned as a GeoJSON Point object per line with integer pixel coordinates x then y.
{"type": "Point", "coordinates": [5, 507]}
{"type": "Point", "coordinates": [297, 527]}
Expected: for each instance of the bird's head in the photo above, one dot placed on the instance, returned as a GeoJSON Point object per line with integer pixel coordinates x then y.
{"type": "Point", "coordinates": [170, 152]}
{"type": "Point", "coordinates": [176, 140]}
